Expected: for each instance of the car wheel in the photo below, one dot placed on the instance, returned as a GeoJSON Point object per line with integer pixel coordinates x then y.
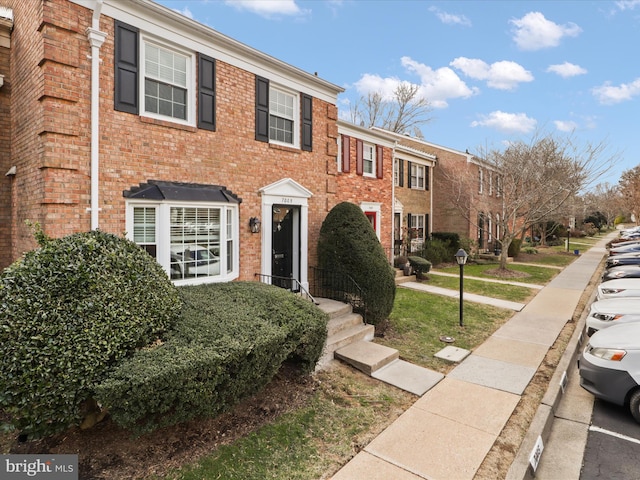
{"type": "Point", "coordinates": [634, 405]}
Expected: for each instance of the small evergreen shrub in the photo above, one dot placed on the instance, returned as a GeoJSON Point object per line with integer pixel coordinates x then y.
{"type": "Point", "coordinates": [420, 265]}
{"type": "Point", "coordinates": [438, 251]}
{"type": "Point", "coordinates": [450, 238]}
{"type": "Point", "coordinates": [69, 311]}
{"type": "Point", "coordinates": [230, 341]}
{"type": "Point", "coordinates": [514, 247]}
{"type": "Point", "coordinates": [348, 245]}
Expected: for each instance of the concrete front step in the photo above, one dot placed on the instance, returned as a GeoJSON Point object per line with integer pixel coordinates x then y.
{"type": "Point", "coordinates": [343, 322]}
{"type": "Point", "coordinates": [383, 363]}
{"type": "Point", "coordinates": [366, 356]}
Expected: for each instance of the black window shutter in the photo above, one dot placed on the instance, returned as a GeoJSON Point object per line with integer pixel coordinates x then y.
{"type": "Point", "coordinates": [307, 122]}
{"type": "Point", "coordinates": [379, 158]}
{"type": "Point", "coordinates": [126, 68]}
{"type": "Point", "coordinates": [408, 224]}
{"type": "Point", "coordinates": [359, 155]}
{"type": "Point", "coordinates": [426, 178]}
{"type": "Point", "coordinates": [262, 109]}
{"type": "Point", "coordinates": [401, 173]}
{"type": "Point", "coordinates": [206, 93]}
{"type": "Point", "coordinates": [427, 233]}
{"type": "Point", "coordinates": [409, 175]}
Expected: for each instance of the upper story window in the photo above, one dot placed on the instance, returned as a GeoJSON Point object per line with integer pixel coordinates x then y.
{"type": "Point", "coordinates": [368, 160]}
{"type": "Point", "coordinates": [283, 116]}
{"type": "Point", "coordinates": [162, 81]}
{"type": "Point", "coordinates": [166, 82]}
{"type": "Point", "coordinates": [480, 180]}
{"type": "Point", "coordinates": [418, 174]}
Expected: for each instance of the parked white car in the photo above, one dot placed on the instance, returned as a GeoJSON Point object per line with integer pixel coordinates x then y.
{"type": "Point", "coordinates": [612, 311]}
{"type": "Point", "coordinates": [609, 366]}
{"type": "Point", "coordinates": [619, 288]}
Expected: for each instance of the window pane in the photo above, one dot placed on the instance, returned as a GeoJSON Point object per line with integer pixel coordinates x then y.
{"type": "Point", "coordinates": [165, 79]}
{"type": "Point", "coordinates": [195, 242]}
{"type": "Point", "coordinates": [144, 228]}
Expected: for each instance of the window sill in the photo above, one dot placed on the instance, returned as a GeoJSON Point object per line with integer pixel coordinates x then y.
{"type": "Point", "coordinates": [168, 124]}
{"type": "Point", "coordinates": [284, 148]}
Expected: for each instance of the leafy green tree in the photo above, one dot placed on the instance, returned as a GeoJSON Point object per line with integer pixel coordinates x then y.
{"type": "Point", "coordinates": [348, 246]}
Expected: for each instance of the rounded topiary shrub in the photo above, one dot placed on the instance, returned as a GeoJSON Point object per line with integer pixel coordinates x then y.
{"type": "Point", "coordinates": [348, 245]}
{"type": "Point", "coordinates": [69, 311]}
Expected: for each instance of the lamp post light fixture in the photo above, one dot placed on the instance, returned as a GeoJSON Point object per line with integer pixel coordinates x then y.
{"type": "Point", "coordinates": [461, 258]}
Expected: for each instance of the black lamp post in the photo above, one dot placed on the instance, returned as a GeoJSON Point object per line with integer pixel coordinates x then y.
{"type": "Point", "coordinates": [568, 236]}
{"type": "Point", "coordinates": [461, 258]}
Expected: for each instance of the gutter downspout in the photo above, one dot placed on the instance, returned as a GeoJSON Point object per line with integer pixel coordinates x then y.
{"type": "Point", "coordinates": [96, 39]}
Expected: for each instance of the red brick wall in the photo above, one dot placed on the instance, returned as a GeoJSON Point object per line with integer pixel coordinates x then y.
{"type": "Point", "coordinates": [54, 147]}
{"type": "Point", "coordinates": [354, 188]}
{"type": "Point", "coordinates": [5, 158]}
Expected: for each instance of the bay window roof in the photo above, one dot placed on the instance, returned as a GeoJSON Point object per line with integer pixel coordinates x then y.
{"type": "Point", "coordinates": [159, 190]}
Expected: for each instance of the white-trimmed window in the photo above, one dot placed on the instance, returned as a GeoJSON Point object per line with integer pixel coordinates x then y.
{"type": "Point", "coordinates": [193, 243]}
{"type": "Point", "coordinates": [480, 180]}
{"type": "Point", "coordinates": [167, 82]}
{"type": "Point", "coordinates": [418, 176]}
{"type": "Point", "coordinates": [283, 116]}
{"type": "Point", "coordinates": [368, 160]}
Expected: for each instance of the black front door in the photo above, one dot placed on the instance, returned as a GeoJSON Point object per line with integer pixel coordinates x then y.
{"type": "Point", "coordinates": [285, 240]}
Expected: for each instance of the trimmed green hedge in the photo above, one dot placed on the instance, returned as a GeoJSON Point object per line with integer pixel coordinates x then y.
{"type": "Point", "coordinates": [69, 312]}
{"type": "Point", "coordinates": [231, 340]}
{"type": "Point", "coordinates": [420, 265]}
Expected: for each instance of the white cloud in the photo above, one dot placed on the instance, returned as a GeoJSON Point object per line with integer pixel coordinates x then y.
{"type": "Point", "coordinates": [627, 4]}
{"type": "Point", "coordinates": [566, 69]}
{"type": "Point", "coordinates": [565, 125]}
{"type": "Point", "coordinates": [507, 122]}
{"type": "Point", "coordinates": [608, 94]}
{"type": "Point", "coordinates": [437, 86]}
{"type": "Point", "coordinates": [268, 8]}
{"type": "Point", "coordinates": [534, 32]}
{"type": "Point", "coordinates": [185, 11]}
{"type": "Point", "coordinates": [502, 75]}
{"type": "Point", "coordinates": [450, 18]}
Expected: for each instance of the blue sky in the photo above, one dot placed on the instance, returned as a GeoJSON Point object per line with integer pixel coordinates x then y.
{"type": "Point", "coordinates": [493, 71]}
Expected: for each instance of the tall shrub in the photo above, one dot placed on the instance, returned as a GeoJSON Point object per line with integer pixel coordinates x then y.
{"type": "Point", "coordinates": [69, 311]}
{"type": "Point", "coordinates": [348, 245]}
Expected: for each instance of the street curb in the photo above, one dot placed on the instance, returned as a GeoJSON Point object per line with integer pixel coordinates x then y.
{"type": "Point", "coordinates": [542, 421]}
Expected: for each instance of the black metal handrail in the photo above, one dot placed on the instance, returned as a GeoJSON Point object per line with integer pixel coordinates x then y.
{"type": "Point", "coordinates": [337, 286]}
{"type": "Point", "coordinates": [288, 283]}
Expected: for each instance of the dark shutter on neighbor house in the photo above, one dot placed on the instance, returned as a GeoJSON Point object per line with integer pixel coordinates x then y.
{"type": "Point", "coordinates": [401, 173]}
{"type": "Point", "coordinates": [408, 174]}
{"type": "Point", "coordinates": [379, 158]}
{"type": "Point", "coordinates": [206, 93]}
{"type": "Point", "coordinates": [427, 233]}
{"type": "Point", "coordinates": [307, 122]}
{"type": "Point", "coordinates": [126, 68]}
{"type": "Point", "coordinates": [346, 154]}
{"type": "Point", "coordinates": [408, 224]}
{"type": "Point", "coordinates": [262, 109]}
{"type": "Point", "coordinates": [426, 177]}
{"type": "Point", "coordinates": [359, 159]}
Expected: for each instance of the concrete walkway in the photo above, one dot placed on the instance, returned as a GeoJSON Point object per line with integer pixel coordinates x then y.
{"type": "Point", "coordinates": [448, 432]}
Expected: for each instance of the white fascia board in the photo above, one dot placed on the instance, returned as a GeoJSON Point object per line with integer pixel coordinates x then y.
{"type": "Point", "coordinates": [365, 134]}
{"type": "Point", "coordinates": [413, 155]}
{"type": "Point", "coordinates": [171, 26]}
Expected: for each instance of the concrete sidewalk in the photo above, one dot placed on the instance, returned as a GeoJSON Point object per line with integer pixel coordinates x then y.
{"type": "Point", "coordinates": [448, 432]}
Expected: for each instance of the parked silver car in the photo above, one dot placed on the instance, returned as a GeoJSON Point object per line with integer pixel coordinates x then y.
{"type": "Point", "coordinates": [609, 366]}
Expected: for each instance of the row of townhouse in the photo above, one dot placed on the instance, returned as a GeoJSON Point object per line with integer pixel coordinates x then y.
{"type": "Point", "coordinates": [219, 160]}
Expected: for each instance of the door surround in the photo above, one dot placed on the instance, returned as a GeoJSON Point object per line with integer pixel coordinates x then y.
{"type": "Point", "coordinates": [290, 193]}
